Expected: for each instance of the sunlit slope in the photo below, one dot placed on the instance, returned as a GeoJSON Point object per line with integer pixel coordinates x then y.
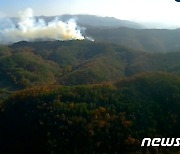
{"type": "Point", "coordinates": [23, 68]}
{"type": "Point", "coordinates": [26, 64]}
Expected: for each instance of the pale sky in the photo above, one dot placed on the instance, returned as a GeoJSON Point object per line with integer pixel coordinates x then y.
{"type": "Point", "coordinates": [166, 12]}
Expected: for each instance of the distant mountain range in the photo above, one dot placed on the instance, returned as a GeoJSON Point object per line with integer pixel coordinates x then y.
{"type": "Point", "coordinates": [92, 20]}
{"type": "Point", "coordinates": [125, 33]}
{"type": "Point", "coordinates": [149, 40]}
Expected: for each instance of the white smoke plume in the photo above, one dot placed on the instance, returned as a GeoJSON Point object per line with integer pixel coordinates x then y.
{"type": "Point", "coordinates": [29, 28]}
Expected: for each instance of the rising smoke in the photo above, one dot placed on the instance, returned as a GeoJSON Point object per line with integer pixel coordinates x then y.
{"type": "Point", "coordinates": [28, 28]}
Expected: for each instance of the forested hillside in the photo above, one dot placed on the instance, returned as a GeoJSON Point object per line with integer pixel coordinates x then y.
{"type": "Point", "coordinates": [22, 68]}
{"type": "Point", "coordinates": [26, 64]}
{"type": "Point", "coordinates": [89, 77]}
{"type": "Point", "coordinates": [86, 97]}
{"type": "Point", "coordinates": [102, 118]}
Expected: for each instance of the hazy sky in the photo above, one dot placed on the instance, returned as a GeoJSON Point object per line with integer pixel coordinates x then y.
{"type": "Point", "coordinates": [157, 11]}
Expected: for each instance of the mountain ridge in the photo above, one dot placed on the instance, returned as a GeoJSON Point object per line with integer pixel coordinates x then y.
{"type": "Point", "coordinates": [26, 64]}
{"type": "Point", "coordinates": [90, 20]}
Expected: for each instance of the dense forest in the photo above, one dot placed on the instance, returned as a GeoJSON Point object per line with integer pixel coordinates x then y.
{"type": "Point", "coordinates": [87, 97]}
{"type": "Point", "coordinates": [26, 64]}
{"type": "Point", "coordinates": [102, 118]}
